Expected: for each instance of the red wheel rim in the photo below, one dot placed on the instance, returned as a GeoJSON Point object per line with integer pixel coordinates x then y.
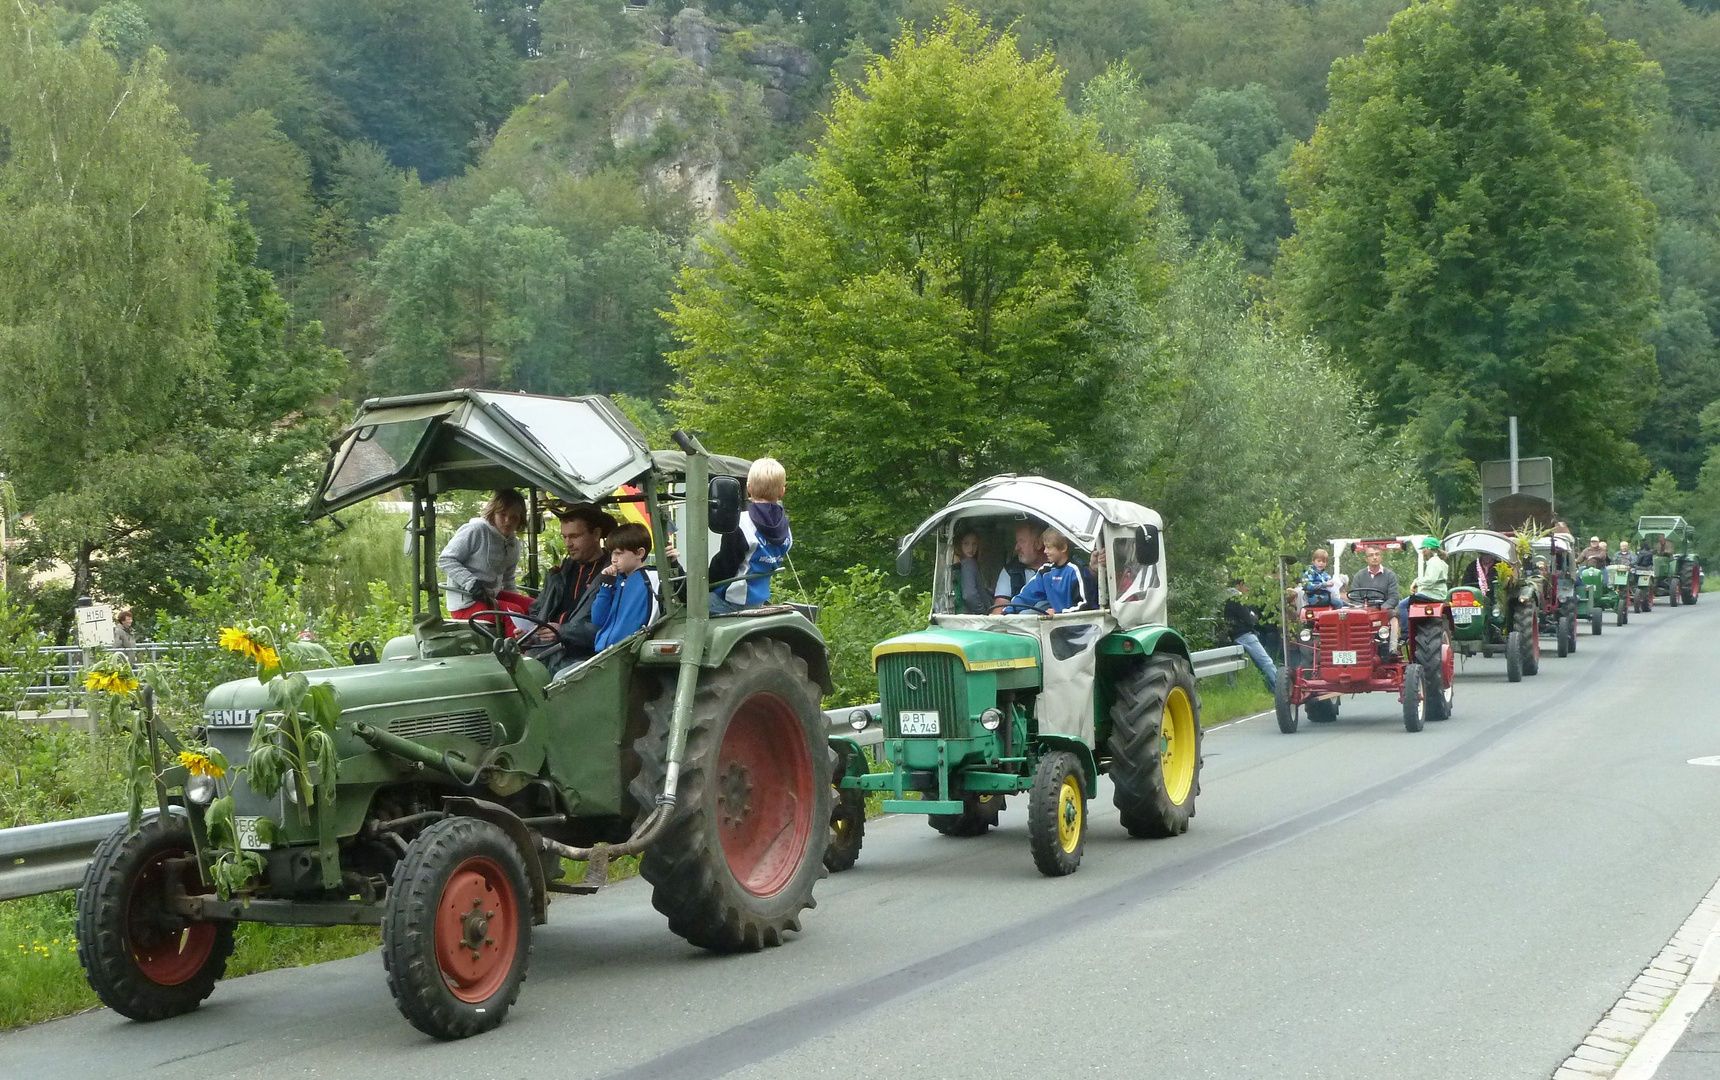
{"type": "Point", "coordinates": [168, 950]}
{"type": "Point", "coordinates": [477, 930]}
{"type": "Point", "coordinates": [764, 794]}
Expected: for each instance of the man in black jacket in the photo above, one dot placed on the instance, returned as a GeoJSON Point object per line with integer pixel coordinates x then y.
{"type": "Point", "coordinates": [1243, 623]}
{"type": "Point", "coordinates": [569, 588]}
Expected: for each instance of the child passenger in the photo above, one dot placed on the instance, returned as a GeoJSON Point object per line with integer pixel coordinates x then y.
{"type": "Point", "coordinates": [1060, 585]}
{"type": "Point", "coordinates": [625, 600]}
{"type": "Point", "coordinates": [971, 596]}
{"type": "Point", "coordinates": [1318, 588]}
{"type": "Point", "coordinates": [481, 558]}
{"type": "Point", "coordinates": [758, 548]}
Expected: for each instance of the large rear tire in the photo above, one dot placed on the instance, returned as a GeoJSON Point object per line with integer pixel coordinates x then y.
{"type": "Point", "coordinates": [1430, 646]}
{"type": "Point", "coordinates": [1057, 814]}
{"type": "Point", "coordinates": [1322, 710]}
{"type": "Point", "coordinates": [736, 864]}
{"type": "Point", "coordinates": [1694, 589]}
{"type": "Point", "coordinates": [142, 961]}
{"type": "Point", "coordinates": [1513, 657]}
{"type": "Point", "coordinates": [1155, 747]}
{"type": "Point", "coordinates": [978, 816]}
{"type": "Point", "coordinates": [457, 928]}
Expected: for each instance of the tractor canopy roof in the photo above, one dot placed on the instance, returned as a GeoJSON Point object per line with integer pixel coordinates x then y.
{"type": "Point", "coordinates": [1554, 542]}
{"type": "Point", "coordinates": [1482, 542]}
{"type": "Point", "coordinates": [1663, 525]}
{"type": "Point", "coordinates": [1060, 506]}
{"type": "Point", "coordinates": [577, 449]}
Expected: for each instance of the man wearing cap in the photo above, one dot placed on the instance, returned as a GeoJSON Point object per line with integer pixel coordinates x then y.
{"type": "Point", "coordinates": [1595, 554]}
{"type": "Point", "coordinates": [570, 587]}
{"type": "Point", "coordinates": [1431, 586]}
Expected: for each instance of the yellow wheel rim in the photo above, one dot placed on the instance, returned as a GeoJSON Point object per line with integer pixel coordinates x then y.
{"type": "Point", "coordinates": [1177, 746]}
{"type": "Point", "coordinates": [1070, 812]}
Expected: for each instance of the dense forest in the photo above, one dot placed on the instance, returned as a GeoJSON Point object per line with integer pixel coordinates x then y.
{"type": "Point", "coordinates": [406, 195]}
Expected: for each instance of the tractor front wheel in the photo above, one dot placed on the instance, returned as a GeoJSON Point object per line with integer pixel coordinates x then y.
{"type": "Point", "coordinates": [457, 928]}
{"type": "Point", "coordinates": [143, 961]}
{"type": "Point", "coordinates": [1595, 621]}
{"type": "Point", "coordinates": [1414, 700]}
{"type": "Point", "coordinates": [1057, 814]}
{"type": "Point", "coordinates": [979, 815]}
{"type": "Point", "coordinates": [1513, 657]}
{"type": "Point", "coordinates": [1155, 747]}
{"type": "Point", "coordinates": [1287, 718]}
{"type": "Point", "coordinates": [1322, 710]}
{"type": "Point", "coordinates": [847, 830]}
{"type": "Point", "coordinates": [735, 866]}
{"type": "Point", "coordinates": [1672, 590]}
{"type": "Point", "coordinates": [1430, 648]}
{"type": "Point", "coordinates": [1526, 623]}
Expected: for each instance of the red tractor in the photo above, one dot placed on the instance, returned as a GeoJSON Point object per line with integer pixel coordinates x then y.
{"type": "Point", "coordinates": [1347, 650]}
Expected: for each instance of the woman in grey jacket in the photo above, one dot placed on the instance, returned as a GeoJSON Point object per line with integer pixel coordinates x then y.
{"type": "Point", "coordinates": [481, 559]}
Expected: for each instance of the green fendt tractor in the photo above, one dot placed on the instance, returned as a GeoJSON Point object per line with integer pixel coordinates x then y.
{"type": "Point", "coordinates": [1495, 600]}
{"type": "Point", "coordinates": [1677, 569]}
{"type": "Point", "coordinates": [464, 773]}
{"type": "Point", "coordinates": [978, 707]}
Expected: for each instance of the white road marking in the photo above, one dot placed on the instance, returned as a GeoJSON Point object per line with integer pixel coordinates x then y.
{"type": "Point", "coordinates": [1714, 760]}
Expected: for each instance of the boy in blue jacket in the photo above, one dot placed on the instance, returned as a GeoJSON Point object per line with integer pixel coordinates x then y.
{"type": "Point", "coordinates": [1060, 585]}
{"type": "Point", "coordinates": [625, 601]}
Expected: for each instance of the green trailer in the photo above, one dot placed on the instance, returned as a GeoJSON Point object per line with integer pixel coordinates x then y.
{"type": "Point", "coordinates": [461, 772]}
{"type": "Point", "coordinates": [977, 708]}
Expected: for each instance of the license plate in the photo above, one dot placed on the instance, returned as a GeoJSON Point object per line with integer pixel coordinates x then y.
{"type": "Point", "coordinates": [913, 722]}
{"type": "Point", "coordinates": [1344, 657]}
{"type": "Point", "coordinates": [1462, 616]}
{"type": "Point", "coordinates": [1645, 579]}
{"type": "Point", "coordinates": [249, 838]}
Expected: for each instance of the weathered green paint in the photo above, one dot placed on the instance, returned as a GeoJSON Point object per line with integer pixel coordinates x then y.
{"type": "Point", "coordinates": [979, 651]}
{"type": "Point", "coordinates": [1144, 641]}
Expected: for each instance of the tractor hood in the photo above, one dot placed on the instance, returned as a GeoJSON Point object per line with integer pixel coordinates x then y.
{"type": "Point", "coordinates": [978, 649]}
{"type": "Point", "coordinates": [578, 449]}
{"type": "Point", "coordinates": [455, 682]}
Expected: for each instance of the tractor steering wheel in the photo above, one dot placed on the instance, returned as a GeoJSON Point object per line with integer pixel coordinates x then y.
{"type": "Point", "coordinates": [488, 632]}
{"type": "Point", "coordinates": [1368, 597]}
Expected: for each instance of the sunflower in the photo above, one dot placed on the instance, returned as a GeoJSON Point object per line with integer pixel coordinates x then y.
{"type": "Point", "coordinates": [112, 682]}
{"type": "Point", "coordinates": [200, 765]}
{"type": "Point", "coordinates": [268, 657]}
{"type": "Point", "coordinates": [240, 641]}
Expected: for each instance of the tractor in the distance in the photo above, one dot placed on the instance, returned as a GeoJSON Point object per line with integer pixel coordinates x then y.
{"type": "Point", "coordinates": [978, 707]}
{"type": "Point", "coordinates": [1601, 589]}
{"type": "Point", "coordinates": [1347, 650]}
{"type": "Point", "coordinates": [1677, 568]}
{"type": "Point", "coordinates": [1495, 602]}
{"type": "Point", "coordinates": [1554, 567]}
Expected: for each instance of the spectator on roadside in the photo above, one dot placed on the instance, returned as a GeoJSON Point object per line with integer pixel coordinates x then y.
{"type": "Point", "coordinates": [1242, 622]}
{"type": "Point", "coordinates": [124, 634]}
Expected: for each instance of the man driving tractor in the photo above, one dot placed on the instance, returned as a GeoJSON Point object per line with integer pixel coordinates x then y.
{"type": "Point", "coordinates": [1377, 583]}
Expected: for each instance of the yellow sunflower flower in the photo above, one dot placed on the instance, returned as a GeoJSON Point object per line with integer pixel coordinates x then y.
{"type": "Point", "coordinates": [200, 765]}
{"type": "Point", "coordinates": [112, 682]}
{"type": "Point", "coordinates": [236, 640]}
{"type": "Point", "coordinates": [268, 657]}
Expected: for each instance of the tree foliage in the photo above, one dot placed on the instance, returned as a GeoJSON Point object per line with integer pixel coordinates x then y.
{"type": "Point", "coordinates": [929, 292]}
{"type": "Point", "coordinates": [1470, 239]}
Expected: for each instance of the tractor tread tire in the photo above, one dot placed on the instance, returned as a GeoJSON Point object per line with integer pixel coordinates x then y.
{"type": "Point", "coordinates": [686, 866]}
{"type": "Point", "coordinates": [1414, 700]}
{"type": "Point", "coordinates": [1286, 712]}
{"type": "Point", "coordinates": [1322, 710]}
{"type": "Point", "coordinates": [1513, 657]}
{"type": "Point", "coordinates": [1042, 806]}
{"type": "Point", "coordinates": [978, 817]}
{"type": "Point", "coordinates": [1526, 622]}
{"type": "Point", "coordinates": [1137, 781]}
{"type": "Point", "coordinates": [847, 808]}
{"type": "Point", "coordinates": [103, 944]}
{"type": "Point", "coordinates": [1430, 657]}
{"type": "Point", "coordinates": [409, 928]}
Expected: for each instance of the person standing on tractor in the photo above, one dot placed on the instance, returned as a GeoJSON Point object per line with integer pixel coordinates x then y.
{"type": "Point", "coordinates": [1378, 584]}
{"type": "Point", "coordinates": [569, 589]}
{"type": "Point", "coordinates": [1019, 570]}
{"type": "Point", "coordinates": [481, 559]}
{"type": "Point", "coordinates": [1431, 586]}
{"type": "Point", "coordinates": [1242, 622]}
{"type": "Point", "coordinates": [756, 550]}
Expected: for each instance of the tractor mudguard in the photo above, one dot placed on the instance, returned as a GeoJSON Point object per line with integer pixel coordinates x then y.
{"type": "Point", "coordinates": [1427, 611]}
{"type": "Point", "coordinates": [789, 627]}
{"type": "Point", "coordinates": [509, 822]}
{"type": "Point", "coordinates": [853, 760]}
{"type": "Point", "coordinates": [1143, 641]}
{"type": "Point", "coordinates": [1083, 753]}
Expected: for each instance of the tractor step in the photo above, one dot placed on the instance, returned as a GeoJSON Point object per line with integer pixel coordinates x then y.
{"type": "Point", "coordinates": [923, 806]}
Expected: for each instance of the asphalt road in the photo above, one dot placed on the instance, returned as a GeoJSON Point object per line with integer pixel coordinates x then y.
{"type": "Point", "coordinates": [1352, 901]}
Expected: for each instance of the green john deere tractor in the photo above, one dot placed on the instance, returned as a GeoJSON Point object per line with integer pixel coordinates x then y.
{"type": "Point", "coordinates": [1677, 569]}
{"type": "Point", "coordinates": [1601, 589]}
{"type": "Point", "coordinates": [978, 707]}
{"type": "Point", "coordinates": [1496, 600]}
{"type": "Point", "coordinates": [459, 773]}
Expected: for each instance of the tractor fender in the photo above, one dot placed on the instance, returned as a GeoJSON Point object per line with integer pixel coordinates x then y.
{"type": "Point", "coordinates": [510, 823]}
{"type": "Point", "coordinates": [853, 758]}
{"type": "Point", "coordinates": [790, 628]}
{"type": "Point", "coordinates": [1144, 641]}
{"type": "Point", "coordinates": [1083, 753]}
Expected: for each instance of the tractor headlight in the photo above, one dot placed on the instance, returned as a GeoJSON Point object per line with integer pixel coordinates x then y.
{"type": "Point", "coordinates": [1307, 635]}
{"type": "Point", "coordinates": [200, 790]}
{"type": "Point", "coordinates": [1383, 633]}
{"type": "Point", "coordinates": [859, 719]}
{"type": "Point", "coordinates": [290, 786]}
{"type": "Point", "coordinates": [990, 719]}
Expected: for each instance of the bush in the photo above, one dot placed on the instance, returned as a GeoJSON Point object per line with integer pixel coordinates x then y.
{"type": "Point", "coordinates": [856, 612]}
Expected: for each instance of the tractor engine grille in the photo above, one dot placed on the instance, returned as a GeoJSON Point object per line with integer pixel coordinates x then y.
{"type": "Point", "coordinates": [930, 682]}
{"type": "Point", "coordinates": [474, 724]}
{"type": "Point", "coordinates": [1353, 633]}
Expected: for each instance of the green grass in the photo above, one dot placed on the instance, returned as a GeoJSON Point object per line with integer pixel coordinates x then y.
{"type": "Point", "coordinates": [1221, 702]}
{"type": "Point", "coordinates": [40, 978]}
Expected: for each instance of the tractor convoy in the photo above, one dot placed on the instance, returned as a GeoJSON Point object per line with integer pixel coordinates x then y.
{"type": "Point", "coordinates": [447, 783]}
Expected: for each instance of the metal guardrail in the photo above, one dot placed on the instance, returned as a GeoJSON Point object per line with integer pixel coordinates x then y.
{"type": "Point", "coordinates": [65, 678]}
{"type": "Point", "coordinates": [53, 856]}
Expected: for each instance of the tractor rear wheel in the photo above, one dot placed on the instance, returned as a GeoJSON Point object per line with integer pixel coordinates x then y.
{"type": "Point", "coordinates": [457, 928]}
{"type": "Point", "coordinates": [1287, 718]}
{"type": "Point", "coordinates": [979, 814]}
{"type": "Point", "coordinates": [1057, 814]}
{"type": "Point", "coordinates": [847, 830]}
{"type": "Point", "coordinates": [142, 961]}
{"type": "Point", "coordinates": [1513, 657]}
{"type": "Point", "coordinates": [1695, 589]}
{"type": "Point", "coordinates": [1528, 629]}
{"type": "Point", "coordinates": [1414, 700]}
{"type": "Point", "coordinates": [1430, 646]}
{"type": "Point", "coordinates": [1322, 710]}
{"type": "Point", "coordinates": [735, 866]}
{"type": "Point", "coordinates": [1155, 747]}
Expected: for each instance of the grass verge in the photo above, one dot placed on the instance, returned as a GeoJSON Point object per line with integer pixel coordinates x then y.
{"type": "Point", "coordinates": [1220, 702]}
